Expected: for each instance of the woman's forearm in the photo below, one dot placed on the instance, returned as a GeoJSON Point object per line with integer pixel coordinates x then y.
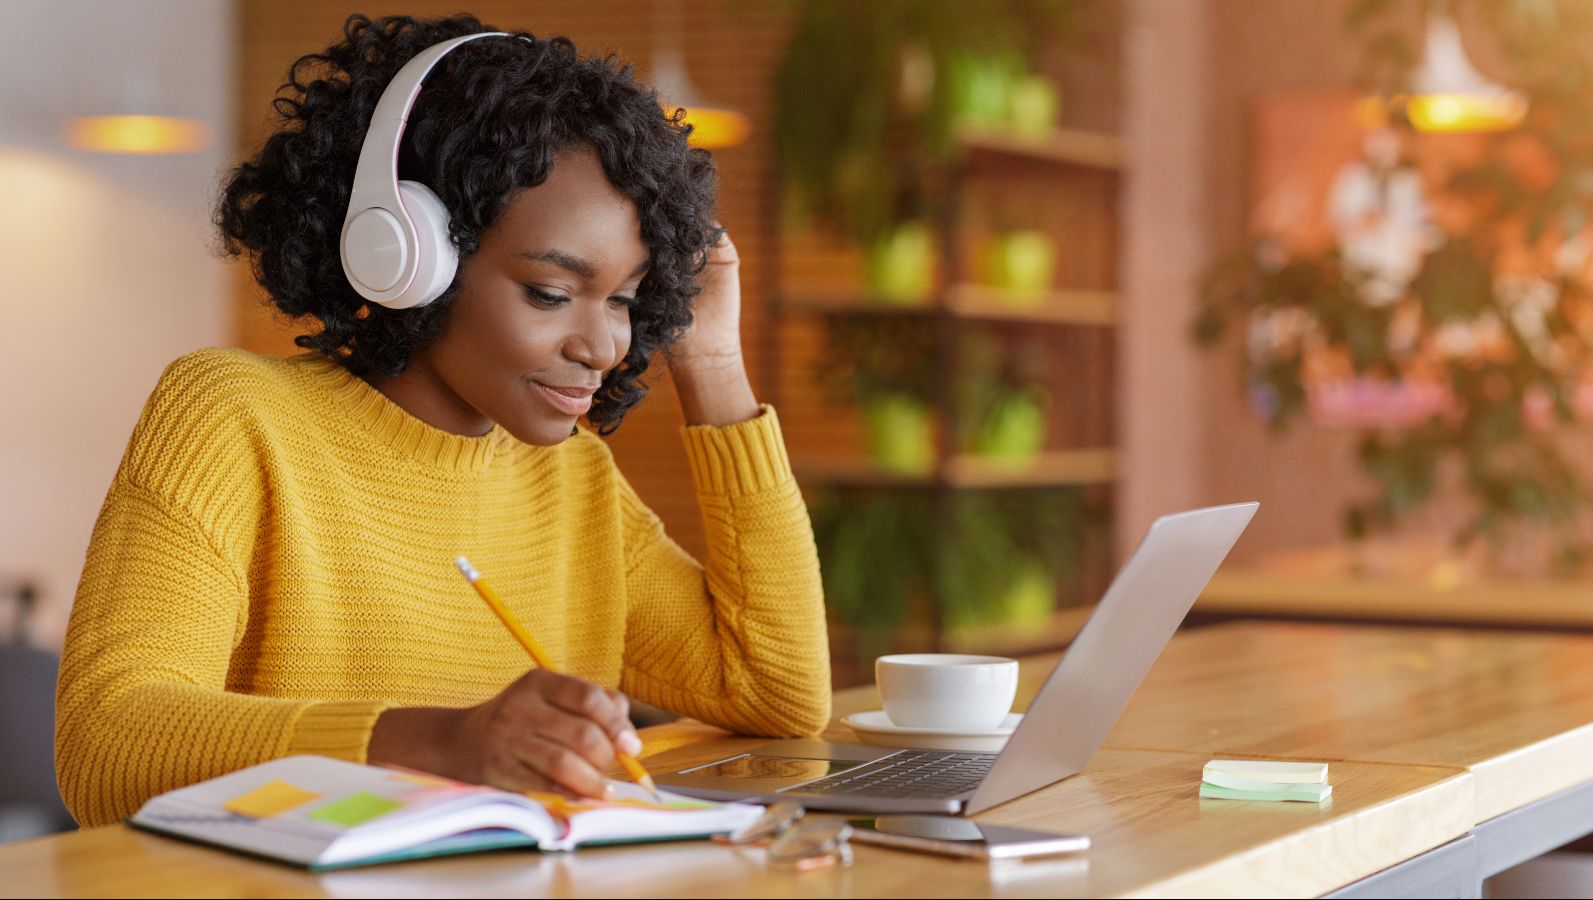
{"type": "Point", "coordinates": [419, 737]}
{"type": "Point", "coordinates": [714, 389]}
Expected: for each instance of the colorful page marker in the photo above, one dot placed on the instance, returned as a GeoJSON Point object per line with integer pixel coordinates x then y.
{"type": "Point", "coordinates": [355, 809]}
{"type": "Point", "coordinates": [561, 807]}
{"type": "Point", "coordinates": [269, 799]}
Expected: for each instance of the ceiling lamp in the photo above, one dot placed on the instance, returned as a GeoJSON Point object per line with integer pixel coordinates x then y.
{"type": "Point", "coordinates": [137, 134]}
{"type": "Point", "coordinates": [712, 126]}
{"type": "Point", "coordinates": [1450, 95]}
{"type": "Point", "coordinates": [130, 112]}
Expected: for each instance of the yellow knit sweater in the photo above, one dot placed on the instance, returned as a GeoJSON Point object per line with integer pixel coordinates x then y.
{"type": "Point", "coordinates": [273, 568]}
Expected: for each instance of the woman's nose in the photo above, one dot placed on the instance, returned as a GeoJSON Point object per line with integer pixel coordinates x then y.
{"type": "Point", "coordinates": [595, 342]}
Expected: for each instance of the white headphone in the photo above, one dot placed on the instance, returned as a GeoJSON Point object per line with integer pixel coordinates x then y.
{"type": "Point", "coordinates": [395, 247]}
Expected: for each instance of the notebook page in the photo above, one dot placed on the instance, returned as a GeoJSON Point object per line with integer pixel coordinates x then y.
{"type": "Point", "coordinates": [633, 815]}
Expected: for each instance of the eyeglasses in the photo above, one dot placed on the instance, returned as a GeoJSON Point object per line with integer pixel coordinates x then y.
{"type": "Point", "coordinates": [796, 841]}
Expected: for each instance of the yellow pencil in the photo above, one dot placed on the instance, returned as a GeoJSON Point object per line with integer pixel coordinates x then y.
{"type": "Point", "coordinates": [635, 769]}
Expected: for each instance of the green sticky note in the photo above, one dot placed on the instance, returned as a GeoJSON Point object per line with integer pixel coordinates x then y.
{"type": "Point", "coordinates": [355, 809]}
{"type": "Point", "coordinates": [1312, 792]}
{"type": "Point", "coordinates": [269, 799]}
{"type": "Point", "coordinates": [1214, 792]}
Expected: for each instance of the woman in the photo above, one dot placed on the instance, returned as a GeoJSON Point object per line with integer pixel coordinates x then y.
{"type": "Point", "coordinates": [271, 573]}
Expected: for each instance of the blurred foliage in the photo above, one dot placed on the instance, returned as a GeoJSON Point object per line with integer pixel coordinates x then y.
{"type": "Point", "coordinates": [1532, 192]}
{"type": "Point", "coordinates": [992, 375]}
{"type": "Point", "coordinates": [864, 98]}
{"type": "Point", "coordinates": [868, 356]}
{"type": "Point", "coordinates": [892, 555]}
{"type": "Point", "coordinates": [866, 103]}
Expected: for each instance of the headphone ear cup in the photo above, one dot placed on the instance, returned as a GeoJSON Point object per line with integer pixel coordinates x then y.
{"type": "Point", "coordinates": [437, 258]}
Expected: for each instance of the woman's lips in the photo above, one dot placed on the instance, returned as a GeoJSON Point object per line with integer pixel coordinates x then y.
{"type": "Point", "coordinates": [564, 403]}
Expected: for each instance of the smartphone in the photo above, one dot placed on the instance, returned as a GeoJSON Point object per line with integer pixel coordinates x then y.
{"type": "Point", "coordinates": [952, 836]}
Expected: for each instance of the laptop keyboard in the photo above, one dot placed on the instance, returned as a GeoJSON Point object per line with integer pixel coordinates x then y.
{"type": "Point", "coordinates": [909, 775]}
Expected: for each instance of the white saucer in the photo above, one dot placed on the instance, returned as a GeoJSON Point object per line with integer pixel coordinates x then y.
{"type": "Point", "coordinates": [874, 727]}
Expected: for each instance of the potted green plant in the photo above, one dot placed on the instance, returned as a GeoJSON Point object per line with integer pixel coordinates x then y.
{"type": "Point", "coordinates": [900, 433]}
{"type": "Point", "coordinates": [1014, 431]}
{"type": "Point", "coordinates": [1000, 557]}
{"type": "Point", "coordinates": [1036, 105]}
{"type": "Point", "coordinates": [1021, 262]}
{"type": "Point", "coordinates": [1001, 404]}
{"type": "Point", "coordinates": [886, 368]}
{"type": "Point", "coordinates": [901, 265]}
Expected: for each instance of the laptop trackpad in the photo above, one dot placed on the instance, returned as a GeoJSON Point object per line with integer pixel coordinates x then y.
{"type": "Point", "coordinates": [778, 765]}
{"type": "Point", "coordinates": [806, 748]}
{"type": "Point", "coordinates": [783, 769]}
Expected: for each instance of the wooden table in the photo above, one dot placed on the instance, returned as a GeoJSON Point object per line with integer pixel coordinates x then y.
{"type": "Point", "coordinates": [1514, 708]}
{"type": "Point", "coordinates": [1390, 581]}
{"type": "Point", "coordinates": [1431, 736]}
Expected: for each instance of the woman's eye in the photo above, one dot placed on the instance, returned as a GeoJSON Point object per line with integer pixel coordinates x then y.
{"type": "Point", "coordinates": [625, 302]}
{"type": "Point", "coordinates": [544, 298]}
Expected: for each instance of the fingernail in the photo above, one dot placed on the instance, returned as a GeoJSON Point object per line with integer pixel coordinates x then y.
{"type": "Point", "coordinates": [630, 743]}
{"type": "Point", "coordinates": [608, 791]}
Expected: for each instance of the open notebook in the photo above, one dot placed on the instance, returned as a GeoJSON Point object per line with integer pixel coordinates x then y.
{"type": "Point", "coordinates": [328, 814]}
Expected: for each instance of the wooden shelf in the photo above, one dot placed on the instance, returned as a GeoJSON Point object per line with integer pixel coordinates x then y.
{"type": "Point", "coordinates": [1087, 466]}
{"type": "Point", "coordinates": [1067, 146]}
{"type": "Point", "coordinates": [1057, 467]}
{"type": "Point", "coordinates": [969, 301]}
{"type": "Point", "coordinates": [978, 301]}
{"type": "Point", "coordinates": [847, 300]}
{"type": "Point", "coordinates": [860, 470]}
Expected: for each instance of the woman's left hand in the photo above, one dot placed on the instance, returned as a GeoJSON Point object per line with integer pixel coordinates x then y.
{"type": "Point", "coordinates": [714, 339]}
{"type": "Point", "coordinates": [706, 365]}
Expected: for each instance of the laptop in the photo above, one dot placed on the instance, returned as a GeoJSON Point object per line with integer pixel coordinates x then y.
{"type": "Point", "coordinates": [1064, 726]}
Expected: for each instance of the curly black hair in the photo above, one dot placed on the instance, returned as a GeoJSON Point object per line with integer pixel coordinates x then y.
{"type": "Point", "coordinates": [492, 117]}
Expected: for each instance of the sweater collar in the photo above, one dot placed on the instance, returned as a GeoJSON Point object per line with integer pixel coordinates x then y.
{"type": "Point", "coordinates": [393, 426]}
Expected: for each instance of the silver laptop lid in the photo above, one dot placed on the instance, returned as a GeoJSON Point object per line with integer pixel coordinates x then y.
{"type": "Point", "coordinates": [1087, 691]}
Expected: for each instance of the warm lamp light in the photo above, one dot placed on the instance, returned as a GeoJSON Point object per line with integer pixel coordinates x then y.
{"type": "Point", "coordinates": [138, 134]}
{"type": "Point", "coordinates": [1450, 95]}
{"type": "Point", "coordinates": [1464, 112]}
{"type": "Point", "coordinates": [712, 126]}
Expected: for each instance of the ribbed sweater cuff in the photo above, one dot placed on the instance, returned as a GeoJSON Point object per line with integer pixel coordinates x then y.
{"type": "Point", "coordinates": [339, 729]}
{"type": "Point", "coordinates": [739, 459]}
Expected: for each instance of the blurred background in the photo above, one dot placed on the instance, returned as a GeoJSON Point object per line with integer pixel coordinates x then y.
{"type": "Point", "coordinates": [1020, 276]}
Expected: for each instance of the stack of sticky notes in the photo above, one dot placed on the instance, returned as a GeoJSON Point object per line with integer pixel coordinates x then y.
{"type": "Point", "coordinates": [1260, 779]}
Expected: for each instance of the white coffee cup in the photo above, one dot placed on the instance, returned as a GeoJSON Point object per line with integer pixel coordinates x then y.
{"type": "Point", "coordinates": [952, 691]}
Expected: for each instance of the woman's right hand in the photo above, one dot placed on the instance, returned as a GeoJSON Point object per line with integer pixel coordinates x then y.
{"type": "Point", "coordinates": [544, 732]}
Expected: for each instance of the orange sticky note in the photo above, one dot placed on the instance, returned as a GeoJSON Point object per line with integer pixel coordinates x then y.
{"type": "Point", "coordinates": [269, 799]}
